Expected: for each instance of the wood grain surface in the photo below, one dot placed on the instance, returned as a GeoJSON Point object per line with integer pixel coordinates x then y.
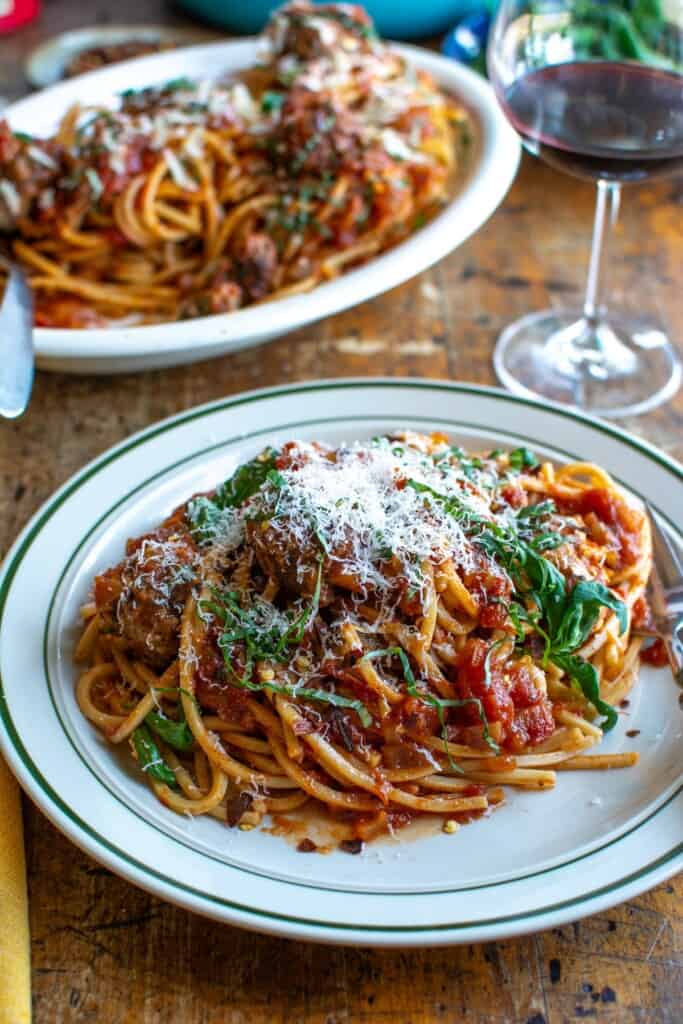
{"type": "Point", "coordinates": [108, 953]}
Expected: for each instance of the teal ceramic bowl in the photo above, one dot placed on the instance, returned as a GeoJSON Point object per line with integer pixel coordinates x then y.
{"type": "Point", "coordinates": [394, 19]}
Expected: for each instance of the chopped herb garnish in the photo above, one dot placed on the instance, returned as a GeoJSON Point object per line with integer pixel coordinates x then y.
{"type": "Point", "coordinates": [469, 465]}
{"type": "Point", "coordinates": [265, 634]}
{"type": "Point", "coordinates": [178, 84]}
{"type": "Point", "coordinates": [522, 458]}
{"type": "Point", "coordinates": [264, 640]}
{"type": "Point", "coordinates": [271, 101]}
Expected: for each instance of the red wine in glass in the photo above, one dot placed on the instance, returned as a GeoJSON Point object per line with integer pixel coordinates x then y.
{"type": "Point", "coordinates": [603, 120]}
{"type": "Point", "coordinates": [595, 89]}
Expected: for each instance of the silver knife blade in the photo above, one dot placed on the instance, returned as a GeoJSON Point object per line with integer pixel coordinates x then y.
{"type": "Point", "coordinates": [16, 344]}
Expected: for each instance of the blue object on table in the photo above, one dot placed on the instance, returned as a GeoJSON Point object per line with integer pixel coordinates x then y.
{"type": "Point", "coordinates": [466, 41]}
{"type": "Point", "coordinates": [394, 19]}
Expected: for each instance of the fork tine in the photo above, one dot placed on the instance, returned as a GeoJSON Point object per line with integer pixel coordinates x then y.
{"type": "Point", "coordinates": [667, 557]}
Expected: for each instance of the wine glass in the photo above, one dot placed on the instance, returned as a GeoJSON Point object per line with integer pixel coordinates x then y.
{"type": "Point", "coordinates": [595, 89]}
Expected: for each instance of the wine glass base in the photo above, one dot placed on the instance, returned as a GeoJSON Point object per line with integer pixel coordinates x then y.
{"type": "Point", "coordinates": [609, 367]}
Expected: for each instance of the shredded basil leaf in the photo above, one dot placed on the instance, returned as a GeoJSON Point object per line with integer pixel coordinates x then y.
{"type": "Point", "coordinates": [242, 625]}
{"type": "Point", "coordinates": [522, 458]}
{"type": "Point", "coordinates": [439, 703]}
{"type": "Point", "coordinates": [178, 84]}
{"type": "Point", "coordinates": [584, 674]}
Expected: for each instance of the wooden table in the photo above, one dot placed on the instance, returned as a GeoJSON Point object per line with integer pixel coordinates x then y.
{"type": "Point", "coordinates": [108, 953]}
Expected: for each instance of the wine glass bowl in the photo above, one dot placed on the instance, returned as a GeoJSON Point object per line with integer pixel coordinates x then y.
{"type": "Point", "coordinates": [595, 89]}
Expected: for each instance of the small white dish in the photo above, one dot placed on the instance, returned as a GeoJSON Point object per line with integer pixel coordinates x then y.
{"type": "Point", "coordinates": [46, 64]}
{"type": "Point", "coordinates": [122, 349]}
{"type": "Point", "coordinates": [541, 860]}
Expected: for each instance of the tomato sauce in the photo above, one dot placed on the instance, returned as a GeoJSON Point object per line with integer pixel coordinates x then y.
{"type": "Point", "coordinates": [510, 698]}
{"type": "Point", "coordinates": [641, 616]}
{"type": "Point", "coordinates": [60, 312]}
{"type": "Point", "coordinates": [655, 654]}
{"type": "Point", "coordinates": [623, 521]}
{"type": "Point", "coordinates": [492, 590]}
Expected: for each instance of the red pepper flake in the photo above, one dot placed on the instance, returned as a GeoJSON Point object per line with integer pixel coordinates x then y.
{"type": "Point", "coordinates": [633, 732]}
{"type": "Point", "coordinates": [306, 846]}
{"type": "Point", "coordinates": [655, 654]}
{"type": "Point", "coordinates": [351, 845]}
{"type": "Point", "coordinates": [237, 807]}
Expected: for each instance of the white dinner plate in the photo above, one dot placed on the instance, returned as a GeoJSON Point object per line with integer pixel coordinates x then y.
{"type": "Point", "coordinates": [492, 168]}
{"type": "Point", "coordinates": [542, 859]}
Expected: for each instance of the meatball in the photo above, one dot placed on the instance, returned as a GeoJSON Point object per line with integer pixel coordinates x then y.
{"type": "Point", "coordinates": [281, 556]}
{"type": "Point", "coordinates": [142, 598]}
{"type": "Point", "coordinates": [308, 31]}
{"type": "Point", "coordinates": [221, 297]}
{"type": "Point", "coordinates": [256, 264]}
{"type": "Point", "coordinates": [315, 135]}
{"type": "Point", "coordinates": [27, 168]}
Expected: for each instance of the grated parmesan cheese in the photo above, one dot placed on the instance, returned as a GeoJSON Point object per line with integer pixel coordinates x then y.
{"type": "Point", "coordinates": [11, 197]}
{"type": "Point", "coordinates": [244, 103]}
{"type": "Point", "coordinates": [39, 156]}
{"type": "Point", "coordinates": [95, 182]}
{"type": "Point", "coordinates": [357, 508]}
{"type": "Point", "coordinates": [326, 31]}
{"type": "Point", "coordinates": [193, 144]}
{"type": "Point", "coordinates": [178, 173]}
{"type": "Point", "coordinates": [396, 146]}
{"type": "Point", "coordinates": [46, 199]}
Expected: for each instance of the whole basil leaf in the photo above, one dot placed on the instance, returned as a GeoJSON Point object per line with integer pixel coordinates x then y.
{"type": "Point", "coordinates": [585, 675]}
{"type": "Point", "coordinates": [150, 759]}
{"type": "Point", "coordinates": [580, 613]}
{"type": "Point", "coordinates": [176, 733]}
{"type": "Point", "coordinates": [245, 481]}
{"type": "Point", "coordinates": [205, 513]}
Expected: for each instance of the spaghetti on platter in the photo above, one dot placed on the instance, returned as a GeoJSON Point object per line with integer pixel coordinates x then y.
{"type": "Point", "coordinates": [201, 197]}
{"type": "Point", "coordinates": [383, 630]}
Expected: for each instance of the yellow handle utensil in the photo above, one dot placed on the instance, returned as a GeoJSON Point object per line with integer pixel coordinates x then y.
{"type": "Point", "coordinates": [15, 988]}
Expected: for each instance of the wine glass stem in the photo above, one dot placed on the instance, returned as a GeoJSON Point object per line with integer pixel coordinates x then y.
{"type": "Point", "coordinates": [608, 192]}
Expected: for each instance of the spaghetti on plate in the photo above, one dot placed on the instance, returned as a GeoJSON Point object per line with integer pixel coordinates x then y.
{"type": "Point", "coordinates": [383, 630]}
{"type": "Point", "coordinates": [200, 197]}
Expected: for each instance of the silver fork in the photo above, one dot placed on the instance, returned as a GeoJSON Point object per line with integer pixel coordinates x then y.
{"type": "Point", "coordinates": [666, 594]}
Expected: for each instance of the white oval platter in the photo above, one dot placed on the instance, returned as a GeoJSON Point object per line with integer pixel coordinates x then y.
{"type": "Point", "coordinates": [122, 349]}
